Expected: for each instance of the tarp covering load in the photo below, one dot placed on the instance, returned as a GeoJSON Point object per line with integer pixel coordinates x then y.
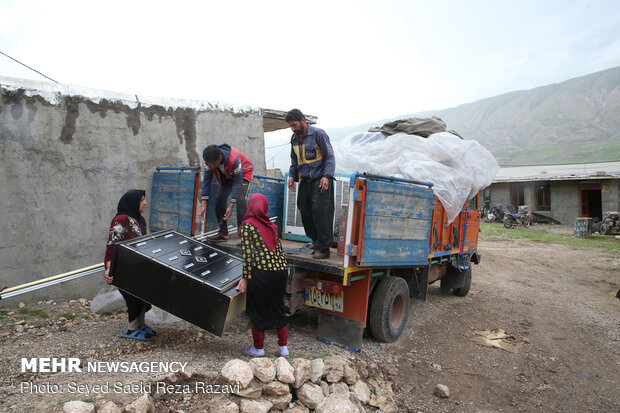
{"type": "Point", "coordinates": [458, 168]}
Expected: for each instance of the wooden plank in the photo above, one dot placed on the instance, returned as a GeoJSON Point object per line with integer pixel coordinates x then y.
{"type": "Point", "coordinates": [382, 252]}
{"type": "Point", "coordinates": [382, 227]}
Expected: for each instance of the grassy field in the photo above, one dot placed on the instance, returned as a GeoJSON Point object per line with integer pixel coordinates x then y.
{"type": "Point", "coordinates": [495, 231]}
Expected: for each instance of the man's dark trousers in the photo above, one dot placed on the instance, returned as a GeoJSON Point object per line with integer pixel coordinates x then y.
{"type": "Point", "coordinates": [221, 203]}
{"type": "Point", "coordinates": [317, 212]}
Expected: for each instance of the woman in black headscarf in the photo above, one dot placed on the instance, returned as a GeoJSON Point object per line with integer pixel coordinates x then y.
{"type": "Point", "coordinates": [127, 224]}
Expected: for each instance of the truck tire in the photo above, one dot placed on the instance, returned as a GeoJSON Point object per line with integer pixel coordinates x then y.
{"type": "Point", "coordinates": [389, 309]}
{"type": "Point", "coordinates": [464, 290]}
{"type": "Point", "coordinates": [604, 229]}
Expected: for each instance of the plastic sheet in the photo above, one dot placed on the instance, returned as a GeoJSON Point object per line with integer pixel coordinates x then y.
{"type": "Point", "coordinates": [108, 301]}
{"type": "Point", "coordinates": [457, 168]}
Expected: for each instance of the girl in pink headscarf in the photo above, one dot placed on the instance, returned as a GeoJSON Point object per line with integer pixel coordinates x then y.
{"type": "Point", "coordinates": [265, 272]}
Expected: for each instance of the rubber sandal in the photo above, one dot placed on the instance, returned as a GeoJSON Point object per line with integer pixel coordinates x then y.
{"type": "Point", "coordinates": [252, 352]}
{"type": "Point", "coordinates": [218, 237]}
{"type": "Point", "coordinates": [138, 335]}
{"type": "Point", "coordinates": [147, 329]}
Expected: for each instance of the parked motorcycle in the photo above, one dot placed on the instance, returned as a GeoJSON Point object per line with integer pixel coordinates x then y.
{"type": "Point", "coordinates": [610, 224]}
{"type": "Point", "coordinates": [522, 217]}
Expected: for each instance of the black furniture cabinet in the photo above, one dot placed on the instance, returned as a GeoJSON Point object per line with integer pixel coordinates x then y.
{"type": "Point", "coordinates": [184, 277]}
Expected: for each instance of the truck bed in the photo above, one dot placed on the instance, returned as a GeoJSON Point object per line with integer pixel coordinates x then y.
{"type": "Point", "coordinates": [297, 254]}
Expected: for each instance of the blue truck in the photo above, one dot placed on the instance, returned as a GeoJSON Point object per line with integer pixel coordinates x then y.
{"type": "Point", "coordinates": [392, 240]}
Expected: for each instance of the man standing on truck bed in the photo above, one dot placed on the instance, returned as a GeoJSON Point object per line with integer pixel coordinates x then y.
{"type": "Point", "coordinates": [233, 171]}
{"type": "Point", "coordinates": [313, 164]}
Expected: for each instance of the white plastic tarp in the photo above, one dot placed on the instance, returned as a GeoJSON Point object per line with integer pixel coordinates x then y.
{"type": "Point", "coordinates": [457, 168]}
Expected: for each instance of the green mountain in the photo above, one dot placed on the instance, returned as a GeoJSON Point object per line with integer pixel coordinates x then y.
{"type": "Point", "coordinates": [574, 121]}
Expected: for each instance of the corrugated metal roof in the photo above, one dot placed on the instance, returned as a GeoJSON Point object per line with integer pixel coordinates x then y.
{"type": "Point", "coordinates": [566, 172]}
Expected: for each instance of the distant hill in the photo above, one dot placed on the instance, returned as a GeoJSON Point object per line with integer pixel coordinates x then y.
{"type": "Point", "coordinates": [574, 121]}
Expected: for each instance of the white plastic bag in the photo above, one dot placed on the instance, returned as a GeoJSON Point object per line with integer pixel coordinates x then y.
{"type": "Point", "coordinates": [457, 168]}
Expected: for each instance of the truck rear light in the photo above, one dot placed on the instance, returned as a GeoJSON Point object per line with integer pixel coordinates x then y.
{"type": "Point", "coordinates": [328, 287]}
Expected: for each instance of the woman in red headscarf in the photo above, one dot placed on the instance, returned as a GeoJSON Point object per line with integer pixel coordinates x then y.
{"type": "Point", "coordinates": [265, 272]}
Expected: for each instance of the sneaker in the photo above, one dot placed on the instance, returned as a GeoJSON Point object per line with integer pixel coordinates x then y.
{"type": "Point", "coordinates": [282, 352]}
{"type": "Point", "coordinates": [253, 352]}
{"type": "Point", "coordinates": [320, 255]}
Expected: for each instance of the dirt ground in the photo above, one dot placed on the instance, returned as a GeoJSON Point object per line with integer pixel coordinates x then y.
{"type": "Point", "coordinates": [558, 303]}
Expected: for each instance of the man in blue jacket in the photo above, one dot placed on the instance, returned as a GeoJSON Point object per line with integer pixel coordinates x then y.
{"type": "Point", "coordinates": [313, 164]}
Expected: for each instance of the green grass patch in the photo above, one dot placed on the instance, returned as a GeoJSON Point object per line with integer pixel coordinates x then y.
{"type": "Point", "coordinates": [107, 313]}
{"type": "Point", "coordinates": [37, 313]}
{"type": "Point", "coordinates": [68, 316]}
{"type": "Point", "coordinates": [3, 317]}
{"type": "Point", "coordinates": [61, 403]}
{"type": "Point", "coordinates": [558, 338]}
{"type": "Point", "coordinates": [88, 400]}
{"type": "Point", "coordinates": [310, 357]}
{"type": "Point", "coordinates": [495, 231]}
{"type": "Point", "coordinates": [28, 409]}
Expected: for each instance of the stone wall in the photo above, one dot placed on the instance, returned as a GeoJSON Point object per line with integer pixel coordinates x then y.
{"type": "Point", "coordinates": [67, 157]}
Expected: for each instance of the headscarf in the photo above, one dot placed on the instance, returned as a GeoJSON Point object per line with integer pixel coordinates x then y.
{"type": "Point", "coordinates": [129, 204]}
{"type": "Point", "coordinates": [257, 217]}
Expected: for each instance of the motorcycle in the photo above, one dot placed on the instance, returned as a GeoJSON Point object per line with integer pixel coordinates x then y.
{"type": "Point", "coordinates": [522, 217]}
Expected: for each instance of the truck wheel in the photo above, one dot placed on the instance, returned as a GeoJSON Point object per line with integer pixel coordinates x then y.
{"type": "Point", "coordinates": [604, 229]}
{"type": "Point", "coordinates": [464, 290]}
{"type": "Point", "coordinates": [389, 309]}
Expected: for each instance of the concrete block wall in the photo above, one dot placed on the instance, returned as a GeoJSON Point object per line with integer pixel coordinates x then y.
{"type": "Point", "coordinates": [610, 195]}
{"type": "Point", "coordinates": [67, 158]}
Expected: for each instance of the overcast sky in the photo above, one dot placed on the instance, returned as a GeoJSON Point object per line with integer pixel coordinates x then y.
{"type": "Point", "coordinates": [346, 62]}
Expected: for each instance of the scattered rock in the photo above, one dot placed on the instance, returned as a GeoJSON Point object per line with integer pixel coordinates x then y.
{"type": "Point", "coordinates": [436, 367]}
{"type": "Point", "coordinates": [296, 409]}
{"type": "Point", "coordinates": [337, 403]}
{"type": "Point", "coordinates": [285, 372]}
{"type": "Point", "coordinates": [255, 406]}
{"type": "Point", "coordinates": [442, 391]}
{"type": "Point", "coordinates": [237, 371]}
{"type": "Point", "coordinates": [20, 322]}
{"type": "Point", "coordinates": [143, 404]}
{"type": "Point", "coordinates": [301, 372]}
{"type": "Point", "coordinates": [221, 404]}
{"type": "Point", "coordinates": [19, 328]}
{"type": "Point", "coordinates": [361, 391]}
{"type": "Point", "coordinates": [317, 369]}
{"type": "Point", "coordinates": [263, 369]}
{"type": "Point", "coordinates": [253, 391]}
{"type": "Point", "coordinates": [339, 388]}
{"type": "Point", "coordinates": [324, 388]}
{"type": "Point", "coordinates": [275, 388]}
{"type": "Point", "coordinates": [386, 404]}
{"type": "Point", "coordinates": [280, 402]}
{"type": "Point", "coordinates": [334, 368]}
{"type": "Point", "coordinates": [76, 406]}
{"type": "Point", "coordinates": [109, 407]}
{"type": "Point", "coordinates": [310, 395]}
{"type": "Point", "coordinates": [21, 305]}
{"type": "Point", "coordinates": [362, 368]}
{"type": "Point", "coordinates": [350, 375]}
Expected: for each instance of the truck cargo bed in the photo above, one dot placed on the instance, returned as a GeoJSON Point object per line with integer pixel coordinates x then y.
{"type": "Point", "coordinates": [297, 254]}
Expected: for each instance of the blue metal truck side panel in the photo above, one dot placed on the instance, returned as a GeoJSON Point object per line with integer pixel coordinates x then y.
{"type": "Point", "coordinates": [273, 189]}
{"type": "Point", "coordinates": [397, 224]}
{"type": "Point", "coordinates": [172, 197]}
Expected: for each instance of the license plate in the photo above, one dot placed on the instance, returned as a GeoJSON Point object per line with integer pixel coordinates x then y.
{"type": "Point", "coordinates": [327, 301]}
